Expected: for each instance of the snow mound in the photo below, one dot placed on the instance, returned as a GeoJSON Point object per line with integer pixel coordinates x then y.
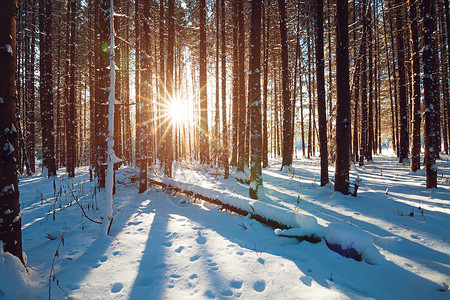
{"type": "Point", "coordinates": [306, 226]}
{"type": "Point", "coordinates": [13, 276]}
{"type": "Point", "coordinates": [348, 239]}
{"type": "Point", "coordinates": [241, 176]}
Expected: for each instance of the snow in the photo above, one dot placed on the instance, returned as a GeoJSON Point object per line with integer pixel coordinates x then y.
{"type": "Point", "coordinates": [8, 49]}
{"type": "Point", "coordinates": [7, 189]}
{"type": "Point", "coordinates": [8, 148]}
{"type": "Point", "coordinates": [161, 247]}
{"type": "Point", "coordinates": [15, 285]}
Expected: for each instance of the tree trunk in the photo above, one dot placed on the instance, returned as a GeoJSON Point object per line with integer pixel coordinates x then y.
{"type": "Point", "coordinates": [415, 145]}
{"type": "Point", "coordinates": [254, 95]}
{"type": "Point", "coordinates": [430, 96]}
{"type": "Point", "coordinates": [343, 100]}
{"type": "Point", "coordinates": [103, 91]}
{"type": "Point", "coordinates": [404, 139]}
{"type": "Point", "coordinates": [287, 104]}
{"type": "Point", "coordinates": [10, 227]}
{"type": "Point", "coordinates": [224, 90]}
{"type": "Point", "coordinates": [235, 89]}
{"type": "Point", "coordinates": [265, 138]}
{"type": "Point", "coordinates": [204, 142]}
{"type": "Point", "coordinates": [170, 84]}
{"type": "Point", "coordinates": [370, 130]}
{"type": "Point", "coordinates": [71, 103]}
{"type": "Point", "coordinates": [364, 108]}
{"type": "Point", "coordinates": [321, 108]}
{"type": "Point", "coordinates": [45, 86]}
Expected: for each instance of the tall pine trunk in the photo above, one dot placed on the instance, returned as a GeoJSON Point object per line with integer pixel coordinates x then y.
{"type": "Point", "coordinates": [10, 227]}
{"type": "Point", "coordinates": [45, 86]}
{"type": "Point", "coordinates": [415, 145]}
{"type": "Point", "coordinates": [204, 141]}
{"type": "Point", "coordinates": [343, 100]}
{"type": "Point", "coordinates": [402, 96]}
{"type": "Point", "coordinates": [429, 95]}
{"type": "Point", "coordinates": [71, 104]}
{"type": "Point", "coordinates": [287, 104]}
{"type": "Point", "coordinates": [223, 51]}
{"type": "Point", "coordinates": [254, 95]}
{"type": "Point", "coordinates": [321, 108]}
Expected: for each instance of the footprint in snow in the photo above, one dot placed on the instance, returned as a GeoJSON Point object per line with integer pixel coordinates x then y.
{"type": "Point", "coordinates": [259, 286]}
{"type": "Point", "coordinates": [116, 253]}
{"type": "Point", "coordinates": [261, 261]}
{"type": "Point", "coordinates": [194, 258]}
{"type": "Point", "coordinates": [237, 284]}
{"type": "Point", "coordinates": [133, 223]}
{"type": "Point", "coordinates": [179, 249]}
{"type": "Point", "coordinates": [210, 294]}
{"type": "Point", "coordinates": [227, 293]}
{"type": "Point", "coordinates": [193, 276]}
{"type": "Point", "coordinates": [201, 239]}
{"type": "Point", "coordinates": [167, 244]}
{"type": "Point", "coordinates": [103, 258]}
{"type": "Point", "coordinates": [116, 287]}
{"type": "Point", "coordinates": [175, 276]}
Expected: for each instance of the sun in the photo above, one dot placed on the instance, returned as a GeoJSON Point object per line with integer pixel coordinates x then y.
{"type": "Point", "coordinates": [178, 111]}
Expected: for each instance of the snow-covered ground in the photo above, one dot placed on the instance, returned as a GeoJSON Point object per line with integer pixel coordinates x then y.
{"type": "Point", "coordinates": [162, 248]}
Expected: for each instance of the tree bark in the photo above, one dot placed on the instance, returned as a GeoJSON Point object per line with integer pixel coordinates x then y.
{"type": "Point", "coordinates": [45, 86]}
{"type": "Point", "coordinates": [204, 140]}
{"type": "Point", "coordinates": [404, 139]}
{"type": "Point", "coordinates": [321, 108]}
{"type": "Point", "coordinates": [430, 96]}
{"type": "Point", "coordinates": [287, 104]}
{"type": "Point", "coordinates": [414, 35]}
{"type": "Point", "coordinates": [254, 95]}
{"type": "Point", "coordinates": [224, 90]}
{"type": "Point", "coordinates": [71, 103]}
{"type": "Point", "coordinates": [10, 227]}
{"type": "Point", "coordinates": [343, 100]}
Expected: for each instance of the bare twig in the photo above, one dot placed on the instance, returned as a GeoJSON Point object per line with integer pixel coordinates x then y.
{"type": "Point", "coordinates": [52, 275]}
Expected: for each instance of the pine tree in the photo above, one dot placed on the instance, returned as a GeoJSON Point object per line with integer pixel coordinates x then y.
{"type": "Point", "coordinates": [287, 104]}
{"type": "Point", "coordinates": [45, 86]}
{"type": "Point", "coordinates": [241, 81]}
{"type": "Point", "coordinates": [254, 95]}
{"type": "Point", "coordinates": [343, 100]}
{"type": "Point", "coordinates": [430, 96]}
{"type": "Point", "coordinates": [415, 144]}
{"type": "Point", "coordinates": [10, 227]}
{"type": "Point", "coordinates": [204, 132]}
{"type": "Point", "coordinates": [170, 87]}
{"type": "Point", "coordinates": [321, 109]}
{"type": "Point", "coordinates": [71, 103]}
{"type": "Point", "coordinates": [404, 137]}
{"type": "Point", "coordinates": [224, 89]}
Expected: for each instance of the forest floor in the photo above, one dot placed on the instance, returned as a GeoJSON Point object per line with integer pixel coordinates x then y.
{"type": "Point", "coordinates": [161, 247]}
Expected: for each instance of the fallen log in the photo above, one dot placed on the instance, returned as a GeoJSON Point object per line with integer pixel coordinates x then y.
{"type": "Point", "coordinates": [223, 206]}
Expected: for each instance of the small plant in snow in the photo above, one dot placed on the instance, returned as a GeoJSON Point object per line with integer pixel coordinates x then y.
{"type": "Point", "coordinates": [52, 275]}
{"type": "Point", "coordinates": [243, 226]}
